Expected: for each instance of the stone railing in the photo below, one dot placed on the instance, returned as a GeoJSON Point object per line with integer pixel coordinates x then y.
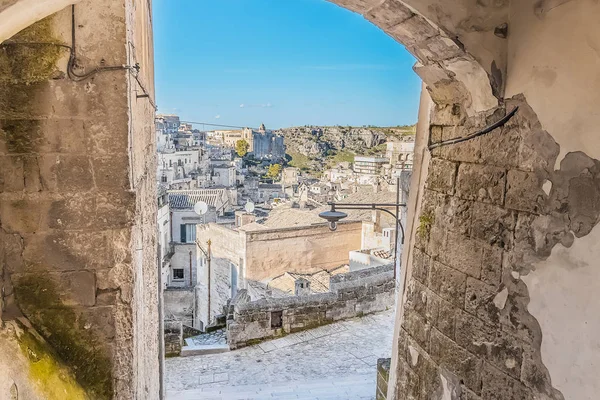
{"type": "Point", "coordinates": [383, 376]}
{"type": "Point", "coordinates": [351, 295]}
{"type": "Point", "coordinates": [173, 331]}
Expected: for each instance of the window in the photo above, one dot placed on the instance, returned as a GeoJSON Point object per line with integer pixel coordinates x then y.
{"type": "Point", "coordinates": [188, 233]}
{"type": "Point", "coordinates": [170, 163]}
{"type": "Point", "coordinates": [163, 178]}
{"type": "Point", "coordinates": [178, 274]}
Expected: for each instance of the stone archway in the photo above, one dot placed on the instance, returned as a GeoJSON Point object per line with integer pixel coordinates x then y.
{"type": "Point", "coordinates": [77, 192]}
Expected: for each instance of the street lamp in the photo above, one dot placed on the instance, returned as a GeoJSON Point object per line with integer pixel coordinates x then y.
{"type": "Point", "coordinates": [333, 216]}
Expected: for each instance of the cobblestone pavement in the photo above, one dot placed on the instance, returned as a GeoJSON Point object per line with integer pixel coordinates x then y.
{"type": "Point", "coordinates": [313, 364]}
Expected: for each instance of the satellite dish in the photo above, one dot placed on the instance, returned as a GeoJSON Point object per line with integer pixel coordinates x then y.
{"type": "Point", "coordinates": [200, 208]}
{"type": "Point", "coordinates": [249, 207]}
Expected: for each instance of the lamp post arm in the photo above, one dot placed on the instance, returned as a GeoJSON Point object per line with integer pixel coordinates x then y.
{"type": "Point", "coordinates": [339, 206]}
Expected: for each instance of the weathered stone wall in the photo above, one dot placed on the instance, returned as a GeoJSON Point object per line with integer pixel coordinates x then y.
{"type": "Point", "coordinates": [492, 208]}
{"type": "Point", "coordinates": [173, 338]}
{"type": "Point", "coordinates": [77, 203]}
{"type": "Point", "coordinates": [351, 295]}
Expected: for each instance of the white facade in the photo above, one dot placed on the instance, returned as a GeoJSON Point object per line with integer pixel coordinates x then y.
{"type": "Point", "coordinates": [188, 160]}
{"type": "Point", "coordinates": [224, 175]}
{"type": "Point", "coordinates": [369, 165]}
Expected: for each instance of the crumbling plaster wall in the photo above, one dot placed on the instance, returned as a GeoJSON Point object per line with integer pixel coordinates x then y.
{"type": "Point", "coordinates": [554, 59]}
{"type": "Point", "coordinates": [501, 273]}
{"type": "Point", "coordinates": [77, 197]}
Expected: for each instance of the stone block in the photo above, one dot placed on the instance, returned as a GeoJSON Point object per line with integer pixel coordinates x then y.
{"type": "Point", "coordinates": [70, 288]}
{"type": "Point", "coordinates": [448, 283]}
{"type": "Point", "coordinates": [66, 173]}
{"type": "Point", "coordinates": [111, 172]}
{"type": "Point", "coordinates": [448, 115]}
{"type": "Point", "coordinates": [501, 148]}
{"type": "Point", "coordinates": [457, 215]}
{"type": "Point", "coordinates": [499, 386]}
{"type": "Point", "coordinates": [441, 176]}
{"type": "Point", "coordinates": [359, 6]}
{"type": "Point", "coordinates": [102, 211]}
{"type": "Point", "coordinates": [493, 225]}
{"type": "Point", "coordinates": [388, 14]}
{"type": "Point", "coordinates": [32, 174]}
{"type": "Point", "coordinates": [435, 133]}
{"type": "Point", "coordinates": [417, 327]}
{"type": "Point", "coordinates": [463, 254]}
{"type": "Point", "coordinates": [63, 250]}
{"type": "Point", "coordinates": [12, 177]}
{"type": "Point", "coordinates": [407, 382]}
{"type": "Point", "coordinates": [438, 48]}
{"type": "Point", "coordinates": [491, 343]}
{"type": "Point", "coordinates": [491, 269]}
{"type": "Point", "coordinates": [479, 301]}
{"type": "Point", "coordinates": [101, 320]}
{"type": "Point", "coordinates": [105, 137]}
{"type": "Point", "coordinates": [430, 73]}
{"type": "Point", "coordinates": [446, 353]}
{"type": "Point", "coordinates": [11, 250]}
{"type": "Point", "coordinates": [446, 317]}
{"type": "Point", "coordinates": [420, 266]}
{"type": "Point", "coordinates": [481, 182]}
{"type": "Point", "coordinates": [413, 30]}
{"type": "Point", "coordinates": [524, 192]}
{"type": "Point", "coordinates": [468, 151]}
{"type": "Point", "coordinates": [428, 372]}
{"type": "Point", "coordinates": [25, 215]}
{"type": "Point", "coordinates": [417, 298]}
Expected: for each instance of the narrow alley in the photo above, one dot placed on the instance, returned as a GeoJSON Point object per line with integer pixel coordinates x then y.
{"type": "Point", "coordinates": [336, 361]}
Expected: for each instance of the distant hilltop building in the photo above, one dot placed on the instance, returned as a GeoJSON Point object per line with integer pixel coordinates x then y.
{"type": "Point", "coordinates": [265, 143]}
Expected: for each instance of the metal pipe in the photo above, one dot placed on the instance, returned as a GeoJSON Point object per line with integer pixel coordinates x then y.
{"type": "Point", "coordinates": [367, 204]}
{"type": "Point", "coordinates": [208, 262]}
{"type": "Point", "coordinates": [396, 230]}
{"type": "Point", "coordinates": [191, 279]}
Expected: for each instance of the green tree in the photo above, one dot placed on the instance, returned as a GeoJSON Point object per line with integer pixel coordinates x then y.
{"type": "Point", "coordinates": [274, 171]}
{"type": "Point", "coordinates": [242, 147]}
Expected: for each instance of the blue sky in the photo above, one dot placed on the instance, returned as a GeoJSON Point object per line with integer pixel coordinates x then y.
{"type": "Point", "coordinates": [281, 62]}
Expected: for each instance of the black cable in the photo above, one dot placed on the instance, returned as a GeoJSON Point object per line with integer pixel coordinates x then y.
{"type": "Point", "coordinates": [9, 43]}
{"type": "Point", "coordinates": [72, 58]}
{"type": "Point", "coordinates": [490, 128]}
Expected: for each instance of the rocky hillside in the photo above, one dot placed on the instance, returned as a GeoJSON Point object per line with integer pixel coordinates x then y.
{"type": "Point", "coordinates": [313, 147]}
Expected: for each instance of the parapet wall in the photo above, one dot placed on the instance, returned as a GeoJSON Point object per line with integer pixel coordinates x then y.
{"type": "Point", "coordinates": [351, 295]}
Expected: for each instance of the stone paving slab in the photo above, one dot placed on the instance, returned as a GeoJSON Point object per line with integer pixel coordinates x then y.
{"type": "Point", "coordinates": [299, 364]}
{"type": "Point", "coordinates": [347, 388]}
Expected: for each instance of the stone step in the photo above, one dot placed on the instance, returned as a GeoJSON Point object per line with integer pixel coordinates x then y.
{"type": "Point", "coordinates": [187, 351]}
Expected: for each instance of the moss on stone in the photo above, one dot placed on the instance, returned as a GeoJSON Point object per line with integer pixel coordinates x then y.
{"type": "Point", "coordinates": [54, 381]}
{"type": "Point", "coordinates": [27, 61]}
{"type": "Point", "coordinates": [425, 222]}
{"type": "Point", "coordinates": [65, 330]}
{"type": "Point", "coordinates": [31, 55]}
